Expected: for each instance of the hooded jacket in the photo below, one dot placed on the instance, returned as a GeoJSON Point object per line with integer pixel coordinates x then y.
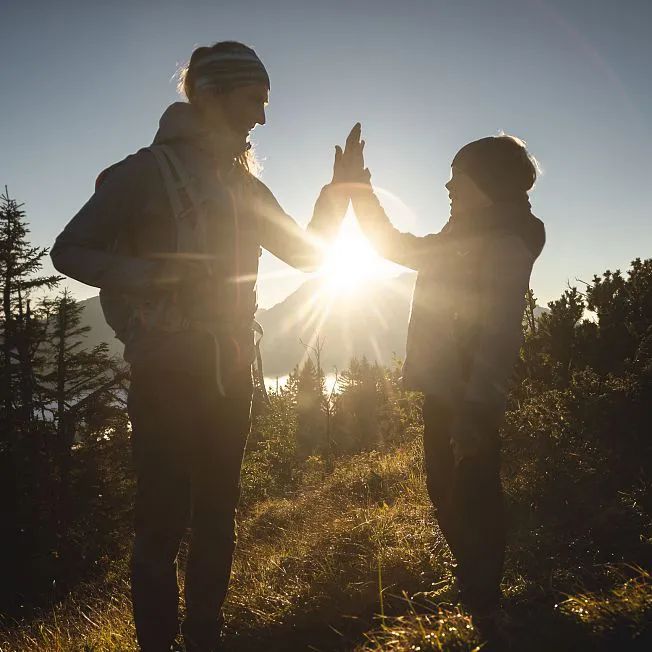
{"type": "Point", "coordinates": [126, 242]}
{"type": "Point", "coordinates": [466, 318]}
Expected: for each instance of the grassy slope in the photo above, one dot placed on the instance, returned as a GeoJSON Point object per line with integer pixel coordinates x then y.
{"type": "Point", "coordinates": [310, 567]}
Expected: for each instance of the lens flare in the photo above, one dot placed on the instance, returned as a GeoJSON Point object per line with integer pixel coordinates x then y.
{"type": "Point", "coordinates": [351, 261]}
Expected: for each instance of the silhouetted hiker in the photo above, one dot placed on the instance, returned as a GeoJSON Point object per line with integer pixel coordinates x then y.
{"type": "Point", "coordinates": [463, 340]}
{"type": "Point", "coordinates": [172, 237]}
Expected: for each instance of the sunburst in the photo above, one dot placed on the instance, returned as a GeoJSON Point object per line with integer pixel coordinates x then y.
{"type": "Point", "coordinates": [351, 262]}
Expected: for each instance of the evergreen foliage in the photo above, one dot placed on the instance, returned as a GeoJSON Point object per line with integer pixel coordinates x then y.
{"type": "Point", "coordinates": [577, 447]}
{"type": "Point", "coordinates": [309, 404]}
{"type": "Point", "coordinates": [56, 398]}
{"type": "Point", "coordinates": [20, 333]}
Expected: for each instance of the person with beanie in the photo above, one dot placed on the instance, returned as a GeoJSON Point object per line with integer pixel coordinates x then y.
{"type": "Point", "coordinates": [463, 339]}
{"type": "Point", "coordinates": [172, 237]}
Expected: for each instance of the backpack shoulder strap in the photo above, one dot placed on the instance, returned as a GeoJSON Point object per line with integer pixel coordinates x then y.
{"type": "Point", "coordinates": [183, 196]}
{"type": "Point", "coordinates": [175, 180]}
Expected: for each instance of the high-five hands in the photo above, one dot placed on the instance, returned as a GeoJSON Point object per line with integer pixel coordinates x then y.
{"type": "Point", "coordinates": [349, 164]}
{"type": "Point", "coordinates": [349, 173]}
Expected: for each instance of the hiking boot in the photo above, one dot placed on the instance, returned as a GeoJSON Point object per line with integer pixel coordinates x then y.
{"type": "Point", "coordinates": [495, 627]}
{"type": "Point", "coordinates": [204, 646]}
{"type": "Point", "coordinates": [203, 636]}
{"type": "Point", "coordinates": [191, 647]}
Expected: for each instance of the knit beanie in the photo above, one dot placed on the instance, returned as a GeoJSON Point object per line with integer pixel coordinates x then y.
{"type": "Point", "coordinates": [499, 166]}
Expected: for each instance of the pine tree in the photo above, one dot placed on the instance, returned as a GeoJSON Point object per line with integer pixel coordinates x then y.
{"type": "Point", "coordinates": [557, 347]}
{"type": "Point", "coordinates": [359, 405]}
{"type": "Point", "coordinates": [310, 420]}
{"type": "Point", "coordinates": [20, 266]}
{"type": "Point", "coordinates": [76, 385]}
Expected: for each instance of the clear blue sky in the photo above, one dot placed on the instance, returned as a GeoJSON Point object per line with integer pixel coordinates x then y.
{"type": "Point", "coordinates": [84, 83]}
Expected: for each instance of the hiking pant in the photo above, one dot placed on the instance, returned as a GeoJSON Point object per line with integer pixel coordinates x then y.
{"type": "Point", "coordinates": [187, 444]}
{"type": "Point", "coordinates": [468, 499]}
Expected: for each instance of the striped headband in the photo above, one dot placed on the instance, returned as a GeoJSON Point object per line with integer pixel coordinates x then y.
{"type": "Point", "coordinates": [223, 71]}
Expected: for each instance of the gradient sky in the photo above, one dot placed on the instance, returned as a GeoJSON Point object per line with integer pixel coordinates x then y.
{"type": "Point", "coordinates": [84, 84]}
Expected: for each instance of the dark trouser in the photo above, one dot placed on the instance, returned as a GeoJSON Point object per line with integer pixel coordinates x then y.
{"type": "Point", "coordinates": [469, 502]}
{"type": "Point", "coordinates": [188, 444]}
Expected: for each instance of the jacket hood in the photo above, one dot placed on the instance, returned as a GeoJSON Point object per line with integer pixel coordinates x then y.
{"type": "Point", "coordinates": [180, 122]}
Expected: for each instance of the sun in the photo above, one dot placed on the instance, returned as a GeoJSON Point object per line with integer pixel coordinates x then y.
{"type": "Point", "coordinates": [351, 261]}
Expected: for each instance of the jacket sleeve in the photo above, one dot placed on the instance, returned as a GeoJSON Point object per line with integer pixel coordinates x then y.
{"type": "Point", "coordinates": [283, 237]}
{"type": "Point", "coordinates": [506, 279]}
{"type": "Point", "coordinates": [405, 249]}
{"type": "Point", "coordinates": [85, 249]}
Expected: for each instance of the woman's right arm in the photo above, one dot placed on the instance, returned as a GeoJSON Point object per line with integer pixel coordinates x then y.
{"type": "Point", "coordinates": [406, 249]}
{"type": "Point", "coordinates": [85, 248]}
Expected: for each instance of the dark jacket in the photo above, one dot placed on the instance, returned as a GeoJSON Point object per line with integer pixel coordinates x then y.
{"type": "Point", "coordinates": [125, 241]}
{"type": "Point", "coordinates": [466, 318]}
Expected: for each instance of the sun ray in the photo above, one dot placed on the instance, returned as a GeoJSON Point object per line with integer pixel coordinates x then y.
{"type": "Point", "coordinates": [312, 341]}
{"type": "Point", "coordinates": [379, 315]}
{"type": "Point", "coordinates": [376, 348]}
{"type": "Point", "coordinates": [351, 261]}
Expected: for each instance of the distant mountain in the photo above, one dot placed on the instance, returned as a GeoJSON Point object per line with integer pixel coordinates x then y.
{"type": "Point", "coordinates": [371, 320]}
{"type": "Point", "coordinates": [100, 330]}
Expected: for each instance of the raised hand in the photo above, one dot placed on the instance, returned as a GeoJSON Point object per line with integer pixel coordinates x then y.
{"type": "Point", "coordinates": [349, 164]}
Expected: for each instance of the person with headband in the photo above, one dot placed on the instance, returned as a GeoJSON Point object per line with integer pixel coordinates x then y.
{"type": "Point", "coordinates": [172, 237]}
{"type": "Point", "coordinates": [463, 340]}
